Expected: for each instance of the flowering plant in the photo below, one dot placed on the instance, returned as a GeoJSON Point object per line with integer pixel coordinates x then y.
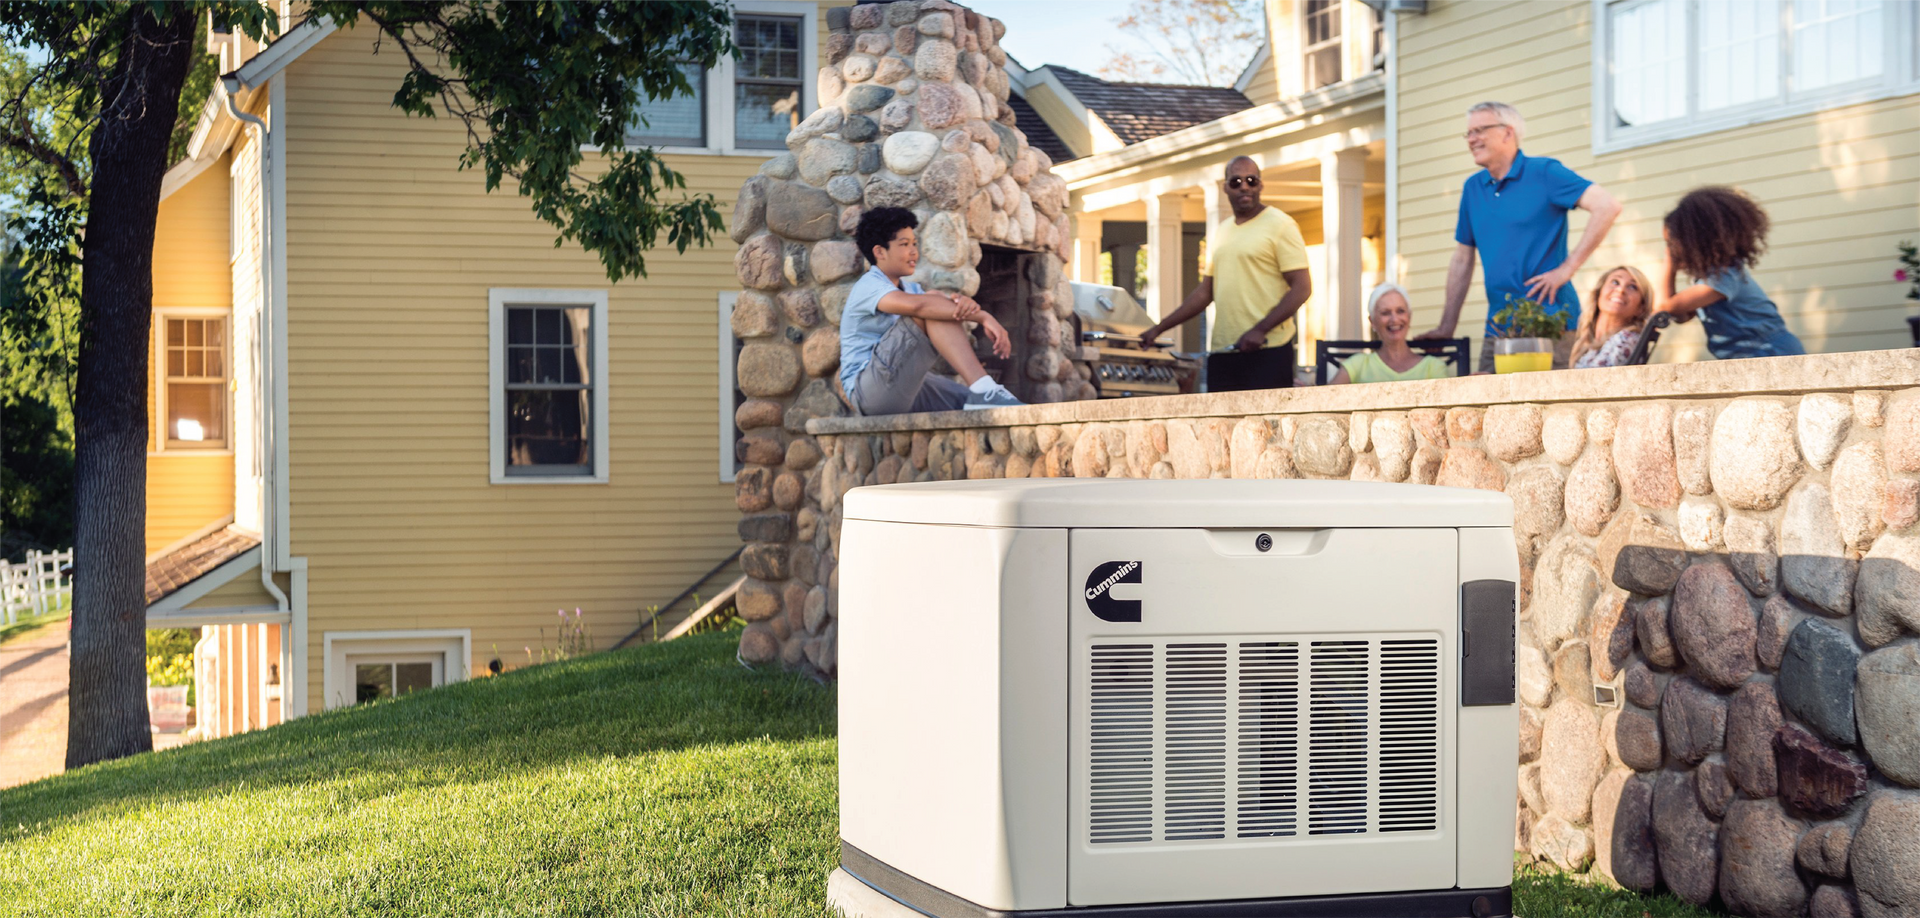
{"type": "Point", "coordinates": [1909, 270]}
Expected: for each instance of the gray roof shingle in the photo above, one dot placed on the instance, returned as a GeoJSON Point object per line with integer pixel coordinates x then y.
{"type": "Point", "coordinates": [1040, 135]}
{"type": "Point", "coordinates": [1142, 111]}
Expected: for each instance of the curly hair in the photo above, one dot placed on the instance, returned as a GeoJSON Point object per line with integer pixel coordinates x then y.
{"type": "Point", "coordinates": [1715, 228]}
{"type": "Point", "coordinates": [878, 226]}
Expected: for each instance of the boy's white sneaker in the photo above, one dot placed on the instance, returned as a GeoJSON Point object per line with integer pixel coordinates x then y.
{"type": "Point", "coordinates": [985, 393]}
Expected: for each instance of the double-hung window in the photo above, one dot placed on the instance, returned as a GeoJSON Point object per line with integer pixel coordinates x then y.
{"type": "Point", "coordinates": [1666, 69]}
{"type": "Point", "coordinates": [745, 104]}
{"type": "Point", "coordinates": [193, 389]}
{"type": "Point", "coordinates": [1321, 44]}
{"type": "Point", "coordinates": [548, 394]}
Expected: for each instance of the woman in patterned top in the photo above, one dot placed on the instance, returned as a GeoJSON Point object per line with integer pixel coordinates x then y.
{"type": "Point", "coordinates": [1622, 301]}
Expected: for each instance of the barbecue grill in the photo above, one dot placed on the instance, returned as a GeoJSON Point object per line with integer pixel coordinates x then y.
{"type": "Point", "coordinates": [1111, 323]}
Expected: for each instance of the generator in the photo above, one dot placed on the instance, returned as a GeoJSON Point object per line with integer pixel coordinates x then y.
{"type": "Point", "coordinates": [1111, 697]}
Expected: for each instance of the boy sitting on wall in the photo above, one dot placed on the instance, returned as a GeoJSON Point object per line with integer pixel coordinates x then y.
{"type": "Point", "coordinates": [893, 331]}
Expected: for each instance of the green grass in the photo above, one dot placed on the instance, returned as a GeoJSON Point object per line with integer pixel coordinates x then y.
{"type": "Point", "coordinates": [1547, 893]}
{"type": "Point", "coordinates": [664, 780]}
{"type": "Point", "coordinates": [27, 623]}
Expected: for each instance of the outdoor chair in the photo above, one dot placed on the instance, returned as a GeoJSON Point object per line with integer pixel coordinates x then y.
{"type": "Point", "coordinates": [1328, 354]}
{"type": "Point", "coordinates": [1649, 336]}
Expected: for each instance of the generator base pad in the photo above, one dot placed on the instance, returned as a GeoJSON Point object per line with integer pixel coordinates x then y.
{"type": "Point", "coordinates": [866, 888]}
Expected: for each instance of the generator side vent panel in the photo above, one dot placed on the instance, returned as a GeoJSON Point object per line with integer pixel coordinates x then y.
{"type": "Point", "coordinates": [1409, 791]}
{"type": "Point", "coordinates": [1122, 744]}
{"type": "Point", "coordinates": [1263, 738]}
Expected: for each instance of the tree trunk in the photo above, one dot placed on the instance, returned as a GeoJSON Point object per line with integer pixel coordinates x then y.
{"type": "Point", "coordinates": [107, 701]}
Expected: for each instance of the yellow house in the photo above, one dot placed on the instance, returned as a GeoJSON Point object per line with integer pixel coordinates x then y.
{"type": "Point", "coordinates": [1355, 110]}
{"type": "Point", "coordinates": [396, 428]}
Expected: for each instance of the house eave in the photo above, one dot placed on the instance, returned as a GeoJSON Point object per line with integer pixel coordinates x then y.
{"type": "Point", "coordinates": [1338, 101]}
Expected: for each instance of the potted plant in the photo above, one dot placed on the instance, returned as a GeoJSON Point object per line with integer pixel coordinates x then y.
{"type": "Point", "coordinates": [1528, 332]}
{"type": "Point", "coordinates": [1909, 274]}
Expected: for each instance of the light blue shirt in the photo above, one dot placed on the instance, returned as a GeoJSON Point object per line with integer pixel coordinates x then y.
{"type": "Point", "coordinates": [1746, 323]}
{"type": "Point", "coordinates": [862, 323]}
{"type": "Point", "coordinates": [1519, 225]}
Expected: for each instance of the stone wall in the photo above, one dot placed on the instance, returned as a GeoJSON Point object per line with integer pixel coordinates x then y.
{"type": "Point", "coordinates": [1718, 667]}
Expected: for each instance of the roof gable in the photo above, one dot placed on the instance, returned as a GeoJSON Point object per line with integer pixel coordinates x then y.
{"type": "Point", "coordinates": [1141, 111]}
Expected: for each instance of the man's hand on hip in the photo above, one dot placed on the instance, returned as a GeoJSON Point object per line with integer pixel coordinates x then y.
{"type": "Point", "coordinates": [1549, 283]}
{"type": "Point", "coordinates": [1253, 340]}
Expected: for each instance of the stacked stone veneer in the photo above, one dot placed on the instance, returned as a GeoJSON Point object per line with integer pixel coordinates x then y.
{"type": "Point", "coordinates": [1743, 575]}
{"type": "Point", "coordinates": [913, 114]}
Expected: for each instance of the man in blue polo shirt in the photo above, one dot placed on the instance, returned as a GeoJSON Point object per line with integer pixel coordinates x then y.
{"type": "Point", "coordinates": [1513, 213]}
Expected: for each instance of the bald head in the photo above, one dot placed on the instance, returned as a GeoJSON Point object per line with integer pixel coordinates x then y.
{"type": "Point", "coordinates": [1243, 188]}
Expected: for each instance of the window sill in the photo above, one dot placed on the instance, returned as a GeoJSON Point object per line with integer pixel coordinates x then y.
{"type": "Point", "coordinates": [549, 479]}
{"type": "Point", "coordinates": [764, 153]}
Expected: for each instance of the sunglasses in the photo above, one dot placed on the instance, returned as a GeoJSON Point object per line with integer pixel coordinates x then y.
{"type": "Point", "coordinates": [1244, 181]}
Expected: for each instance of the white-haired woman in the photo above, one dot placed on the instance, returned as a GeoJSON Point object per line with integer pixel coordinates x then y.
{"type": "Point", "coordinates": [1393, 360]}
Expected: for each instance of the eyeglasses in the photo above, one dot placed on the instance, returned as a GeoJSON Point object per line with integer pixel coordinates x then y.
{"type": "Point", "coordinates": [1244, 181]}
{"type": "Point", "coordinates": [1475, 132]}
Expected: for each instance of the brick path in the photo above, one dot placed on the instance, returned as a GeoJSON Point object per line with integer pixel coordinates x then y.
{"type": "Point", "coordinates": [33, 707]}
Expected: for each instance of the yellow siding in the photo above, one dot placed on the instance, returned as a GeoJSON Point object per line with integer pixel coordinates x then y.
{"type": "Point", "coordinates": [244, 590]}
{"type": "Point", "coordinates": [391, 253]}
{"type": "Point", "coordinates": [187, 491]}
{"type": "Point", "coordinates": [1840, 185]}
{"type": "Point", "coordinates": [1264, 87]}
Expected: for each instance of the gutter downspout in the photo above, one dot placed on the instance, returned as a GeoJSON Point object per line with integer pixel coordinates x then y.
{"type": "Point", "coordinates": [228, 86]}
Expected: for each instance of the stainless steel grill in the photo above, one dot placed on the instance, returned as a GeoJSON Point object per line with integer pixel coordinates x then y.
{"type": "Point", "coordinates": [1110, 327]}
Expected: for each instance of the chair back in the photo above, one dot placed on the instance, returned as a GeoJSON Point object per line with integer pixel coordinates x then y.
{"type": "Point", "coordinates": [1649, 336]}
{"type": "Point", "coordinates": [1328, 354]}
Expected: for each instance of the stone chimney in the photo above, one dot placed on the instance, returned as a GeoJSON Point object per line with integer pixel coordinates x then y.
{"type": "Point", "coordinates": [913, 114]}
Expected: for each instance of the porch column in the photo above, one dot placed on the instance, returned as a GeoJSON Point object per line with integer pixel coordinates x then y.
{"type": "Point", "coordinates": [1086, 248]}
{"type": "Point", "coordinates": [1165, 286]}
{"type": "Point", "coordinates": [1341, 175]}
{"type": "Point", "coordinates": [1219, 211]}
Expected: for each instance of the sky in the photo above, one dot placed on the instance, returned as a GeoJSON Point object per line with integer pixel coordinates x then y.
{"type": "Point", "coordinates": [1071, 33]}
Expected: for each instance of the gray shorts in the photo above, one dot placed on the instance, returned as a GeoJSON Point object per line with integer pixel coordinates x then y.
{"type": "Point", "coordinates": [899, 377]}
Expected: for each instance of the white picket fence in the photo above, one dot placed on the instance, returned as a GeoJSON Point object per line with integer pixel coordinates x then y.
{"type": "Point", "coordinates": [35, 586]}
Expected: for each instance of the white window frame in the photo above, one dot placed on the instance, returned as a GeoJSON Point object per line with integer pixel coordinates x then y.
{"type": "Point", "coordinates": [1901, 77]}
{"type": "Point", "coordinates": [236, 210]}
{"type": "Point", "coordinates": [729, 463]}
{"type": "Point", "coordinates": [720, 140]}
{"type": "Point", "coordinates": [453, 645]}
{"type": "Point", "coordinates": [158, 368]}
{"type": "Point", "coordinates": [498, 299]}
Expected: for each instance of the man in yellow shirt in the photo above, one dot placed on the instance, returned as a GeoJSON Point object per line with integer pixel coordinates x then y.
{"type": "Point", "coordinates": [1259, 281]}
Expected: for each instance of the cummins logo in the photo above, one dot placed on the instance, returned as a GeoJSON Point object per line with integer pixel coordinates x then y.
{"type": "Point", "coordinates": [1104, 606]}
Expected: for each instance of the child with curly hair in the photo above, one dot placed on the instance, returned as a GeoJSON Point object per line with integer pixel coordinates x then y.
{"type": "Point", "coordinates": [1715, 235]}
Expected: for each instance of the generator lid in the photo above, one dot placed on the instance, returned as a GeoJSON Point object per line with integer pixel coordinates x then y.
{"type": "Point", "coordinates": [1119, 503]}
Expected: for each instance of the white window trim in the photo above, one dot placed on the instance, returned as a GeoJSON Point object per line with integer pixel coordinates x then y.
{"type": "Point", "coordinates": [729, 463]}
{"type": "Point", "coordinates": [236, 225]}
{"type": "Point", "coordinates": [720, 140]}
{"type": "Point", "coordinates": [337, 680]}
{"type": "Point", "coordinates": [1902, 77]}
{"type": "Point", "coordinates": [498, 298]}
{"type": "Point", "coordinates": [158, 367]}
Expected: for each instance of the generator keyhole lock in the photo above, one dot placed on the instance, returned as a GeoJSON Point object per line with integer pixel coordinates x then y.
{"type": "Point", "coordinates": [1263, 542]}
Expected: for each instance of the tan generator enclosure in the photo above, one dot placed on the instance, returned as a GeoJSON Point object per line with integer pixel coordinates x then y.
{"type": "Point", "coordinates": [1183, 698]}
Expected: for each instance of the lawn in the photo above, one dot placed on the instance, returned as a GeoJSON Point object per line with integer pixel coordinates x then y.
{"type": "Point", "coordinates": [664, 780]}
{"type": "Point", "coordinates": [25, 623]}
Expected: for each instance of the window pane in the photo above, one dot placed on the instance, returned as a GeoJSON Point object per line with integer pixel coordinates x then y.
{"type": "Point", "coordinates": [196, 363]}
{"type": "Point", "coordinates": [176, 331]}
{"type": "Point", "coordinates": [577, 367]}
{"type": "Point", "coordinates": [411, 677]}
{"type": "Point", "coordinates": [548, 427]}
{"type": "Point", "coordinates": [372, 681]}
{"type": "Point", "coordinates": [549, 365]}
{"type": "Point", "coordinates": [213, 357]}
{"type": "Point", "coordinates": [520, 364]}
{"type": "Point", "coordinates": [763, 115]}
{"type": "Point", "coordinates": [546, 326]}
{"type": "Point", "coordinates": [1649, 61]}
{"type": "Point", "coordinates": [678, 121]}
{"type": "Point", "coordinates": [519, 326]}
{"type": "Point", "coordinates": [176, 362]}
{"type": "Point", "coordinates": [195, 330]}
{"type": "Point", "coordinates": [1739, 52]}
{"type": "Point", "coordinates": [1835, 41]}
{"type": "Point", "coordinates": [196, 412]}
